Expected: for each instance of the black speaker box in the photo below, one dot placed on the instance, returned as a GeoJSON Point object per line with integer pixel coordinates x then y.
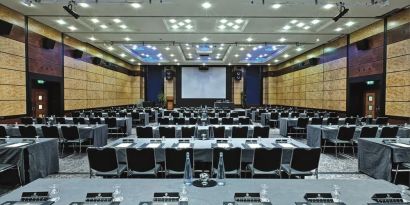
{"type": "Point", "coordinates": [313, 61]}
{"type": "Point", "coordinates": [5, 27]}
{"type": "Point", "coordinates": [77, 53]}
{"type": "Point", "coordinates": [237, 74]}
{"type": "Point", "coordinates": [363, 45]}
{"type": "Point", "coordinates": [96, 60]}
{"type": "Point", "coordinates": [48, 43]}
{"type": "Point", "coordinates": [169, 74]}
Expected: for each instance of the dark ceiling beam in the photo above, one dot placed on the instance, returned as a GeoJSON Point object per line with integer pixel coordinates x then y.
{"type": "Point", "coordinates": [195, 43]}
{"type": "Point", "coordinates": [202, 33]}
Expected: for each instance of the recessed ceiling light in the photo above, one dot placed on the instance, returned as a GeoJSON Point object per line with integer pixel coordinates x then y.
{"type": "Point", "coordinates": [293, 21]}
{"type": "Point", "coordinates": [110, 48]}
{"type": "Point", "coordinates": [84, 5]}
{"type": "Point", "coordinates": [236, 55]}
{"type": "Point", "coordinates": [123, 26]}
{"type": "Point", "coordinates": [181, 23]}
{"type": "Point", "coordinates": [276, 6]}
{"type": "Point", "coordinates": [103, 26]}
{"type": "Point", "coordinates": [338, 29]}
{"type": "Point", "coordinates": [274, 48]}
{"type": "Point", "coordinates": [206, 5]}
{"type": "Point", "coordinates": [328, 6]}
{"type": "Point", "coordinates": [127, 39]}
{"type": "Point", "coordinates": [315, 21]}
{"type": "Point", "coordinates": [255, 48]}
{"type": "Point", "coordinates": [236, 27]}
{"type": "Point", "coordinates": [188, 48]}
{"type": "Point", "coordinates": [92, 38]}
{"type": "Point", "coordinates": [238, 21]}
{"type": "Point", "coordinates": [189, 26]}
{"type": "Point", "coordinates": [136, 5]}
{"type": "Point", "coordinates": [175, 26]}
{"type": "Point", "coordinates": [117, 20]}
{"type": "Point", "coordinates": [299, 49]}
{"type": "Point", "coordinates": [220, 48]}
{"type": "Point", "coordinates": [188, 20]}
{"type": "Point", "coordinates": [287, 27]}
{"type": "Point", "coordinates": [282, 39]}
{"type": "Point", "coordinates": [223, 20]}
{"type": "Point", "coordinates": [249, 39]}
{"type": "Point", "coordinates": [221, 27]}
{"type": "Point", "coordinates": [27, 3]}
{"type": "Point", "coordinates": [159, 63]}
{"type": "Point", "coordinates": [205, 39]}
{"type": "Point", "coordinates": [286, 55]}
{"type": "Point", "coordinates": [242, 48]}
{"type": "Point", "coordinates": [317, 40]}
{"type": "Point", "coordinates": [350, 23]}
{"type": "Point", "coordinates": [123, 55]}
{"type": "Point", "coordinates": [276, 60]}
{"type": "Point", "coordinates": [132, 60]}
{"type": "Point", "coordinates": [167, 48]}
{"type": "Point", "coordinates": [230, 24]}
{"type": "Point", "coordinates": [139, 63]}
{"type": "Point", "coordinates": [248, 55]}
{"type": "Point", "coordinates": [61, 21]}
{"type": "Point", "coordinates": [248, 64]}
{"type": "Point", "coordinates": [306, 27]}
{"type": "Point", "coordinates": [172, 20]}
{"type": "Point", "coordinates": [229, 64]}
{"type": "Point", "coordinates": [178, 64]}
{"type": "Point", "coordinates": [73, 28]}
{"type": "Point", "coordinates": [172, 55]}
{"type": "Point", "coordinates": [300, 24]}
{"type": "Point", "coordinates": [175, 60]}
{"type": "Point", "coordinates": [95, 20]}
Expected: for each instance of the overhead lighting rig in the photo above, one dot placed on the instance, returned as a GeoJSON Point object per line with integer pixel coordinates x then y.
{"type": "Point", "coordinates": [69, 8]}
{"type": "Point", "coordinates": [342, 11]}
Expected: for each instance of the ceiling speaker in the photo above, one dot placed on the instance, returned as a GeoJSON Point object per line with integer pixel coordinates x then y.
{"type": "Point", "coordinates": [96, 60]}
{"type": "Point", "coordinates": [363, 45]}
{"type": "Point", "coordinates": [48, 43]}
{"type": "Point", "coordinates": [5, 27]}
{"type": "Point", "coordinates": [77, 53]}
{"type": "Point", "coordinates": [237, 74]}
{"type": "Point", "coordinates": [169, 74]}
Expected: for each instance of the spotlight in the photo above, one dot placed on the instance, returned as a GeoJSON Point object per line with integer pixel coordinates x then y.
{"type": "Point", "coordinates": [69, 9]}
{"type": "Point", "coordinates": [342, 11]}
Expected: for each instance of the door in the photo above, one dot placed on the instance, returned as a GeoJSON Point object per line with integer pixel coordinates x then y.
{"type": "Point", "coordinates": [253, 86]}
{"type": "Point", "coordinates": [370, 104]}
{"type": "Point", "coordinates": [39, 101]}
{"type": "Point", "coordinates": [155, 83]}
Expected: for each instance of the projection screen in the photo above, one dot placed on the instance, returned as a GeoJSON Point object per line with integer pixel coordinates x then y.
{"type": "Point", "coordinates": [197, 84]}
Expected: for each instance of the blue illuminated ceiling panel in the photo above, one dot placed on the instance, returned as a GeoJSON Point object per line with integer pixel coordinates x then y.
{"type": "Point", "coordinates": [146, 53]}
{"type": "Point", "coordinates": [262, 53]}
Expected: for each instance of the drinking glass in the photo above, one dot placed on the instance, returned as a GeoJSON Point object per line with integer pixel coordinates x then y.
{"type": "Point", "coordinates": [53, 192]}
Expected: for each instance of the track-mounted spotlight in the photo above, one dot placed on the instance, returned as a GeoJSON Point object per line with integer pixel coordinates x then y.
{"type": "Point", "coordinates": [69, 9]}
{"type": "Point", "coordinates": [342, 11]}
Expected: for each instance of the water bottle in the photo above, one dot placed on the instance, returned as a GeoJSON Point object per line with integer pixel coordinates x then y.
{"type": "Point", "coordinates": [187, 170]}
{"type": "Point", "coordinates": [220, 175]}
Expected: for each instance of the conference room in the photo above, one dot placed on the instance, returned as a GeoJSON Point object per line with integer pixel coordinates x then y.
{"type": "Point", "coordinates": [204, 102]}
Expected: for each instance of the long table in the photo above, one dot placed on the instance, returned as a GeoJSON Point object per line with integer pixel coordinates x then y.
{"type": "Point", "coordinates": [228, 105]}
{"type": "Point", "coordinates": [376, 158]}
{"type": "Point", "coordinates": [286, 123]}
{"type": "Point", "coordinates": [98, 133]}
{"type": "Point", "coordinates": [203, 148]}
{"type": "Point", "coordinates": [280, 191]}
{"type": "Point", "coordinates": [121, 122]}
{"type": "Point", "coordinates": [35, 160]}
{"type": "Point", "coordinates": [315, 133]}
{"type": "Point", "coordinates": [202, 129]}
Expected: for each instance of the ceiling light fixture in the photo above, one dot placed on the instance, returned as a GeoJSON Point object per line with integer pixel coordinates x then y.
{"type": "Point", "coordinates": [350, 23]}
{"type": "Point", "coordinates": [123, 26]}
{"type": "Point", "coordinates": [92, 38]}
{"type": "Point", "coordinates": [61, 22]}
{"type": "Point", "coordinates": [172, 20]}
{"type": "Point", "coordinates": [110, 48]}
{"type": "Point", "coordinates": [317, 40]}
{"type": "Point", "coordinates": [299, 49]}
{"type": "Point", "coordinates": [342, 11]}
{"type": "Point", "coordinates": [187, 20]}
{"type": "Point", "coordinates": [238, 21]}
{"type": "Point", "coordinates": [306, 27]}
{"type": "Point", "coordinates": [276, 60]}
{"type": "Point", "coordinates": [328, 6]}
{"type": "Point", "coordinates": [175, 26]}
{"type": "Point", "coordinates": [69, 9]}
{"type": "Point", "coordinates": [221, 27]}
{"type": "Point", "coordinates": [276, 6]}
{"type": "Point", "coordinates": [249, 39]}
{"type": "Point", "coordinates": [123, 55]}
{"type": "Point", "coordinates": [223, 21]}
{"type": "Point", "coordinates": [28, 3]}
{"type": "Point", "coordinates": [338, 29]}
{"type": "Point", "coordinates": [132, 60]}
{"type": "Point", "coordinates": [189, 26]}
{"type": "Point", "coordinates": [206, 5]}
{"type": "Point", "coordinates": [300, 24]}
{"type": "Point", "coordinates": [94, 20]}
{"type": "Point", "coordinates": [287, 27]}
{"type": "Point", "coordinates": [293, 21]}
{"type": "Point", "coordinates": [315, 21]}
{"type": "Point", "coordinates": [117, 20]}
{"type": "Point", "coordinates": [136, 5]}
{"type": "Point", "coordinates": [286, 55]}
{"type": "Point", "coordinates": [167, 48]}
{"type": "Point", "coordinates": [72, 28]}
{"type": "Point", "coordinates": [103, 26]}
{"type": "Point", "coordinates": [205, 39]}
{"type": "Point", "coordinates": [127, 39]}
{"type": "Point", "coordinates": [84, 5]}
{"type": "Point", "coordinates": [282, 39]}
{"type": "Point", "coordinates": [236, 27]}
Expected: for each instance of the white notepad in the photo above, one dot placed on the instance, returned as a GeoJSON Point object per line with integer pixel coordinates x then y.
{"type": "Point", "coordinates": [153, 145]}
{"type": "Point", "coordinates": [286, 145]}
{"type": "Point", "coordinates": [184, 145]}
{"type": "Point", "coordinates": [122, 145]}
{"type": "Point", "coordinates": [401, 145]}
{"type": "Point", "coordinates": [87, 127]}
{"type": "Point", "coordinates": [254, 146]}
{"type": "Point", "coordinates": [17, 144]}
{"type": "Point", "coordinates": [223, 145]}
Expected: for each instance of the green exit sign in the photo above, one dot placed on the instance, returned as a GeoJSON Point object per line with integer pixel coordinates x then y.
{"type": "Point", "coordinates": [370, 82]}
{"type": "Point", "coordinates": [41, 82]}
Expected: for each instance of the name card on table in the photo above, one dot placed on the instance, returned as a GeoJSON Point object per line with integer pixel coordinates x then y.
{"type": "Point", "coordinates": [128, 140]}
{"type": "Point", "coordinates": [99, 197]}
{"type": "Point", "coordinates": [319, 198]}
{"type": "Point", "coordinates": [388, 198]}
{"type": "Point", "coordinates": [30, 203]}
{"type": "Point", "coordinates": [281, 141]}
{"type": "Point", "coordinates": [3, 141]}
{"type": "Point", "coordinates": [123, 145]}
{"type": "Point", "coordinates": [166, 197]}
{"type": "Point", "coordinates": [287, 145]}
{"type": "Point", "coordinates": [35, 196]}
{"type": "Point", "coordinates": [153, 145]}
{"type": "Point", "coordinates": [401, 145]}
{"type": "Point", "coordinates": [17, 145]}
{"type": "Point", "coordinates": [248, 198]}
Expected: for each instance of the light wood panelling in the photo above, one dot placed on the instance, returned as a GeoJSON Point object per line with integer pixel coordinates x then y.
{"type": "Point", "coordinates": [11, 16]}
{"type": "Point", "coordinates": [370, 30]}
{"type": "Point", "coordinates": [237, 89]}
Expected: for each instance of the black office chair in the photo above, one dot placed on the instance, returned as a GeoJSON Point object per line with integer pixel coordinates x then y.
{"type": "Point", "coordinates": [240, 132]}
{"type": "Point", "coordinates": [188, 132]}
{"type": "Point", "coordinates": [222, 114]}
{"type": "Point", "coordinates": [6, 180]}
{"type": "Point", "coordinates": [163, 121]}
{"type": "Point", "coordinates": [367, 120]}
{"type": "Point", "coordinates": [344, 137]}
{"type": "Point", "coordinates": [350, 120]}
{"type": "Point", "coordinates": [145, 132]}
{"type": "Point", "coordinates": [300, 128]}
{"type": "Point", "coordinates": [136, 118]}
{"type": "Point", "coordinates": [333, 120]}
{"type": "Point", "coordinates": [112, 114]}
{"type": "Point", "coordinates": [382, 120]}
{"type": "Point", "coordinates": [227, 121]}
{"type": "Point", "coordinates": [76, 114]}
{"type": "Point", "coordinates": [167, 132]}
{"type": "Point", "coordinates": [60, 120]}
{"type": "Point", "coordinates": [193, 121]}
{"type": "Point", "coordinates": [141, 162]}
{"type": "Point", "coordinates": [78, 120]}
{"type": "Point", "coordinates": [71, 136]}
{"type": "Point", "coordinates": [122, 114]}
{"type": "Point", "coordinates": [217, 132]}
{"type": "Point", "coordinates": [234, 114]}
{"type": "Point", "coordinates": [232, 161]}
{"type": "Point", "coordinates": [98, 114]}
{"type": "Point", "coordinates": [274, 120]}
{"type": "Point", "coordinates": [113, 128]}
{"type": "Point", "coordinates": [244, 121]}
{"type": "Point", "coordinates": [175, 161]}
{"type": "Point", "coordinates": [389, 132]}
{"type": "Point", "coordinates": [3, 132]}
{"type": "Point", "coordinates": [368, 132]}
{"type": "Point", "coordinates": [284, 115]}
{"type": "Point", "coordinates": [41, 120]}
{"type": "Point", "coordinates": [187, 114]}
{"type": "Point", "coordinates": [26, 120]}
{"type": "Point", "coordinates": [103, 162]}
{"type": "Point", "coordinates": [317, 121]}
{"type": "Point", "coordinates": [310, 114]}
{"type": "Point", "coordinates": [303, 162]}
{"type": "Point", "coordinates": [294, 114]}
{"type": "Point", "coordinates": [333, 114]}
{"type": "Point", "coordinates": [94, 120]}
{"type": "Point", "coordinates": [213, 121]}
{"type": "Point", "coordinates": [50, 132]}
{"type": "Point", "coordinates": [175, 114]}
{"type": "Point", "coordinates": [28, 131]}
{"type": "Point", "coordinates": [241, 113]}
{"type": "Point", "coordinates": [266, 162]}
{"type": "Point", "coordinates": [179, 121]}
{"type": "Point", "coordinates": [262, 132]}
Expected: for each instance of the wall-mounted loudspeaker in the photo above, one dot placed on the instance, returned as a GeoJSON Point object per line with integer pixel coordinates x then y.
{"type": "Point", "coordinates": [77, 53]}
{"type": "Point", "coordinates": [363, 45]}
{"type": "Point", "coordinates": [5, 27]}
{"type": "Point", "coordinates": [237, 74]}
{"type": "Point", "coordinates": [48, 43]}
{"type": "Point", "coordinates": [96, 60]}
{"type": "Point", "coordinates": [169, 74]}
{"type": "Point", "coordinates": [313, 61]}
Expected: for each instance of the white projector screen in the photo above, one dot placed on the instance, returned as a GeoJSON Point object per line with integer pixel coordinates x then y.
{"type": "Point", "coordinates": [197, 84]}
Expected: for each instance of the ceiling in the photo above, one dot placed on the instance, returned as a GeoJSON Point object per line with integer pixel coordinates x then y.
{"type": "Point", "coordinates": [184, 32]}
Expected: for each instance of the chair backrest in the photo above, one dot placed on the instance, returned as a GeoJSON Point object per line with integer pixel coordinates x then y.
{"type": "Point", "coordinates": [389, 132]}
{"type": "Point", "coordinates": [112, 114]}
{"type": "Point", "coordinates": [187, 114]}
{"type": "Point", "coordinates": [60, 120]}
{"type": "Point", "coordinates": [40, 120]}
{"type": "Point", "coordinates": [211, 114]}
{"type": "Point", "coordinates": [145, 132]}
{"type": "Point", "coordinates": [111, 122]}
{"type": "Point", "coordinates": [98, 114]}
{"type": "Point", "coordinates": [213, 121]}
{"type": "Point", "coordinates": [28, 131]}
{"type": "Point", "coordinates": [167, 132]}
{"type": "Point", "coordinates": [70, 132]}
{"type": "Point", "coordinates": [274, 116]}
{"type": "Point", "coordinates": [244, 120]}
{"type": "Point", "coordinates": [241, 113]}
{"type": "Point", "coordinates": [284, 114]}
{"type": "Point", "coordinates": [222, 114]}
{"type": "Point", "coordinates": [240, 132]}
{"type": "Point", "coordinates": [382, 120]}
{"type": "Point", "coordinates": [123, 114]}
{"type": "Point", "coordinates": [175, 159]}
{"type": "Point", "coordinates": [262, 132]}
{"type": "Point", "coordinates": [140, 160]}
{"type": "Point", "coordinates": [302, 122]}
{"type": "Point", "coordinates": [333, 120]}
{"type": "Point", "coordinates": [50, 132]}
{"type": "Point", "coordinates": [94, 120]}
{"type": "Point", "coordinates": [310, 114]}
{"type": "Point", "coordinates": [305, 159]}
{"type": "Point", "coordinates": [350, 120]}
{"type": "Point", "coordinates": [75, 114]}
{"type": "Point", "coordinates": [368, 132]}
{"type": "Point", "coordinates": [317, 121]}
{"type": "Point", "coordinates": [175, 114]}
{"type": "Point", "coordinates": [294, 114]}
{"type": "Point", "coordinates": [267, 159]}
{"type": "Point", "coordinates": [26, 120]}
{"type": "Point", "coordinates": [218, 132]}
{"type": "Point", "coordinates": [179, 120]}
{"type": "Point", "coordinates": [163, 121]}
{"type": "Point", "coordinates": [193, 121]}
{"type": "Point", "coordinates": [332, 114]}
{"type": "Point", "coordinates": [3, 132]}
{"type": "Point", "coordinates": [346, 133]}
{"type": "Point", "coordinates": [187, 132]}
{"type": "Point", "coordinates": [227, 121]}
{"type": "Point", "coordinates": [102, 159]}
{"type": "Point", "coordinates": [367, 120]}
{"type": "Point", "coordinates": [78, 120]}
{"type": "Point", "coordinates": [233, 114]}
{"type": "Point", "coordinates": [232, 158]}
{"type": "Point", "coordinates": [135, 115]}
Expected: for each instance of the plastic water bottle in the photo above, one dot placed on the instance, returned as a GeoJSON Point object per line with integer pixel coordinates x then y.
{"type": "Point", "coordinates": [187, 170]}
{"type": "Point", "coordinates": [220, 175]}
